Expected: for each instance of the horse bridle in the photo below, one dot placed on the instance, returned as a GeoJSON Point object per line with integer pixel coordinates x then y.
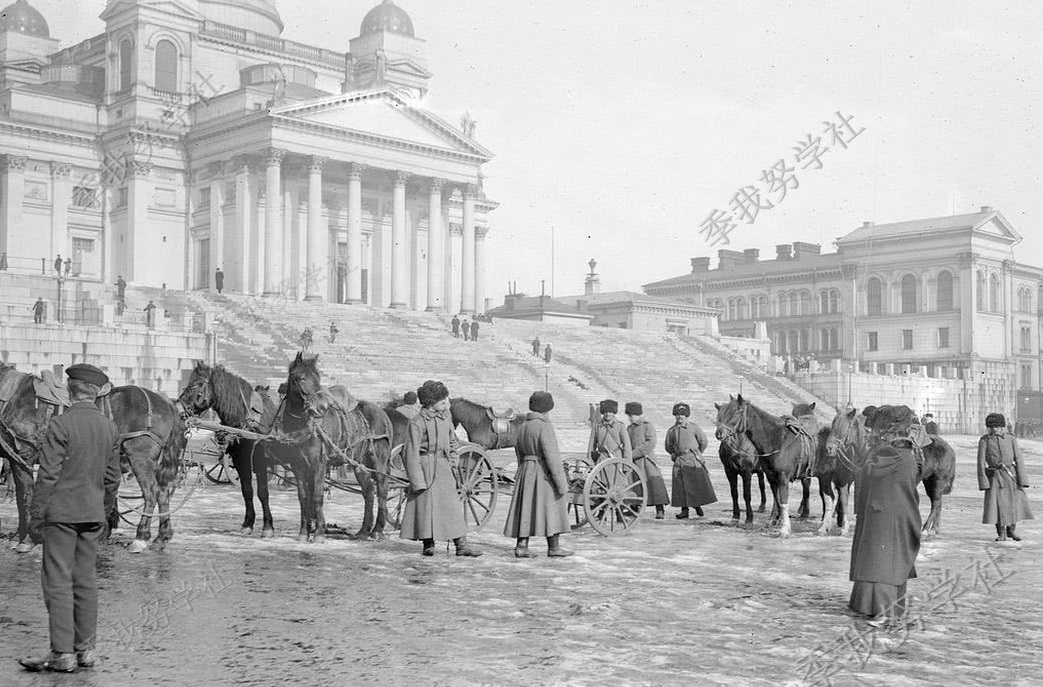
{"type": "Point", "coordinates": [731, 434]}
{"type": "Point", "coordinates": [845, 440]}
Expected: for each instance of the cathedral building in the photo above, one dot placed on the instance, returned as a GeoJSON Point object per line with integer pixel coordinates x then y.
{"type": "Point", "coordinates": [191, 135]}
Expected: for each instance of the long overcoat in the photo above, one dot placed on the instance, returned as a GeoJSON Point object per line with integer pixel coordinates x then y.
{"type": "Point", "coordinates": [642, 442]}
{"type": "Point", "coordinates": [887, 530]}
{"type": "Point", "coordinates": [435, 512]}
{"type": "Point", "coordinates": [1002, 476]}
{"type": "Point", "coordinates": [539, 505]}
{"type": "Point", "coordinates": [691, 486]}
{"type": "Point", "coordinates": [609, 439]}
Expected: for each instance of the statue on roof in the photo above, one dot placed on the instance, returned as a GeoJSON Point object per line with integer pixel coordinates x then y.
{"type": "Point", "coordinates": [381, 59]}
{"type": "Point", "coordinates": [468, 124]}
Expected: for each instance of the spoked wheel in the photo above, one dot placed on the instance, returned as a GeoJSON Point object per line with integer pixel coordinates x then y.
{"type": "Point", "coordinates": [222, 472]}
{"type": "Point", "coordinates": [396, 493]}
{"type": "Point", "coordinates": [613, 496]}
{"type": "Point", "coordinates": [130, 515]}
{"type": "Point", "coordinates": [576, 473]}
{"type": "Point", "coordinates": [477, 485]}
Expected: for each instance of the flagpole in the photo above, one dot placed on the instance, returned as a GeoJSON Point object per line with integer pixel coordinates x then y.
{"type": "Point", "coordinates": [552, 261]}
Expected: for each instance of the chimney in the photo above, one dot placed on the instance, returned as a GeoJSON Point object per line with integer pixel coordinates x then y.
{"type": "Point", "coordinates": [728, 258]}
{"type": "Point", "coordinates": [866, 225]}
{"type": "Point", "coordinates": [802, 248]}
{"type": "Point", "coordinates": [986, 209]}
{"type": "Point", "coordinates": [782, 251]}
{"type": "Point", "coordinates": [700, 265]}
{"type": "Point", "coordinates": [751, 255]}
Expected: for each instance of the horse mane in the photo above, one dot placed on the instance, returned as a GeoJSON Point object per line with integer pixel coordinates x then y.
{"type": "Point", "coordinates": [466, 412]}
{"type": "Point", "coordinates": [775, 424]}
{"type": "Point", "coordinates": [230, 391]}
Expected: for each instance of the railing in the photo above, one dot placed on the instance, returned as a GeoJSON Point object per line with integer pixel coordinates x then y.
{"type": "Point", "coordinates": [260, 40]}
{"type": "Point", "coordinates": [21, 265]}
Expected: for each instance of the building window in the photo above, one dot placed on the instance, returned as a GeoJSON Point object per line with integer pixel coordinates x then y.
{"type": "Point", "coordinates": [794, 304]}
{"type": "Point", "coordinates": [204, 197]}
{"type": "Point", "coordinates": [828, 339]}
{"type": "Point", "coordinates": [804, 340]}
{"type": "Point", "coordinates": [875, 297]}
{"type": "Point", "coordinates": [874, 341]}
{"type": "Point", "coordinates": [907, 339]}
{"type": "Point", "coordinates": [1026, 339]}
{"type": "Point", "coordinates": [1024, 299]}
{"type": "Point", "coordinates": [166, 67]}
{"type": "Point", "coordinates": [908, 294]}
{"type": "Point", "coordinates": [980, 284]}
{"type": "Point", "coordinates": [740, 308]}
{"type": "Point", "coordinates": [793, 341]}
{"type": "Point", "coordinates": [126, 55]}
{"type": "Point", "coordinates": [1026, 376]}
{"type": "Point", "coordinates": [805, 303]}
{"type": "Point", "coordinates": [780, 343]}
{"type": "Point", "coordinates": [83, 258]}
{"type": "Point", "coordinates": [834, 339]}
{"type": "Point", "coordinates": [84, 197]}
{"type": "Point", "coordinates": [945, 299]}
{"type": "Point", "coordinates": [994, 293]}
{"type": "Point", "coordinates": [783, 305]}
{"type": "Point", "coordinates": [943, 337]}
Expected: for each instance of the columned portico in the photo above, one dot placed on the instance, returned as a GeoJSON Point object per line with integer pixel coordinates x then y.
{"type": "Point", "coordinates": [273, 239]}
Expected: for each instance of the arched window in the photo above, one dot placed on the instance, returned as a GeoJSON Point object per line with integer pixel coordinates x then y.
{"type": "Point", "coordinates": [780, 343]}
{"type": "Point", "coordinates": [980, 300]}
{"type": "Point", "coordinates": [740, 308]}
{"type": "Point", "coordinates": [732, 309]}
{"type": "Point", "coordinates": [166, 66]}
{"type": "Point", "coordinates": [908, 293]}
{"type": "Point", "coordinates": [793, 341]}
{"type": "Point", "coordinates": [824, 340]}
{"type": "Point", "coordinates": [783, 305]}
{"type": "Point", "coordinates": [834, 338]}
{"type": "Point", "coordinates": [945, 299]}
{"type": "Point", "coordinates": [804, 339]}
{"type": "Point", "coordinates": [805, 303]}
{"type": "Point", "coordinates": [875, 297]}
{"type": "Point", "coordinates": [834, 299]}
{"type": "Point", "coordinates": [126, 55]}
{"type": "Point", "coordinates": [823, 302]}
{"type": "Point", "coordinates": [794, 304]}
{"type": "Point", "coordinates": [994, 292]}
{"type": "Point", "coordinates": [1025, 299]}
{"type": "Point", "coordinates": [765, 309]}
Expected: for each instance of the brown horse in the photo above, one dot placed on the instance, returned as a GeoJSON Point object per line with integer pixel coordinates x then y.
{"type": "Point", "coordinates": [319, 433]}
{"type": "Point", "coordinates": [848, 445]}
{"type": "Point", "coordinates": [735, 467]}
{"type": "Point", "coordinates": [233, 399]}
{"type": "Point", "coordinates": [833, 479]}
{"type": "Point", "coordinates": [780, 451]}
{"type": "Point", "coordinates": [480, 427]}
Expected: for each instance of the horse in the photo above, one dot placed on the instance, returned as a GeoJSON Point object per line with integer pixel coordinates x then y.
{"type": "Point", "coordinates": [781, 452]}
{"type": "Point", "coordinates": [937, 460]}
{"type": "Point", "coordinates": [833, 479]}
{"type": "Point", "coordinates": [734, 467]}
{"type": "Point", "coordinates": [239, 406]}
{"type": "Point", "coordinates": [326, 428]}
{"type": "Point", "coordinates": [848, 445]}
{"type": "Point", "coordinates": [481, 427]}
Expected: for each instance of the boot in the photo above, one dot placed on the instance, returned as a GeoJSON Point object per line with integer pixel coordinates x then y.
{"type": "Point", "coordinates": [521, 549]}
{"type": "Point", "coordinates": [53, 662]}
{"type": "Point", "coordinates": [554, 550]}
{"type": "Point", "coordinates": [463, 549]}
{"type": "Point", "coordinates": [659, 513]}
{"type": "Point", "coordinates": [683, 515]}
{"type": "Point", "coordinates": [699, 511]}
{"type": "Point", "coordinates": [1001, 534]}
{"type": "Point", "coordinates": [1010, 533]}
{"type": "Point", "coordinates": [429, 547]}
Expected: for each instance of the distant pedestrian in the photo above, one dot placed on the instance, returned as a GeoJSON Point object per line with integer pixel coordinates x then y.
{"type": "Point", "coordinates": [3, 261]}
{"type": "Point", "coordinates": [121, 306]}
{"type": "Point", "coordinates": [333, 331]}
{"type": "Point", "coordinates": [306, 339]}
{"type": "Point", "coordinates": [121, 288]}
{"type": "Point", "coordinates": [39, 307]}
{"type": "Point", "coordinates": [150, 314]}
{"type": "Point", "coordinates": [456, 326]}
{"type": "Point", "coordinates": [466, 327]}
{"type": "Point", "coordinates": [219, 280]}
{"type": "Point", "coordinates": [68, 266]}
{"type": "Point", "coordinates": [1002, 475]}
{"type": "Point", "coordinates": [474, 330]}
{"type": "Point", "coordinates": [58, 265]}
{"type": "Point", "coordinates": [546, 354]}
{"type": "Point", "coordinates": [536, 346]}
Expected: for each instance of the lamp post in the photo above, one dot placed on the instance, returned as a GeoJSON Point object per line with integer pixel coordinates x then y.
{"type": "Point", "coordinates": [58, 314]}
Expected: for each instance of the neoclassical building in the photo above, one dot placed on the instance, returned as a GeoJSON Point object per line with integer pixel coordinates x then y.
{"type": "Point", "coordinates": [191, 135]}
{"type": "Point", "coordinates": [943, 293]}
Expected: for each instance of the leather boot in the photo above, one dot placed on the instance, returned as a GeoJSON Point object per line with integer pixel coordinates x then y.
{"type": "Point", "coordinates": [53, 662]}
{"type": "Point", "coordinates": [554, 550]}
{"type": "Point", "coordinates": [683, 515]}
{"type": "Point", "coordinates": [1010, 533]}
{"type": "Point", "coordinates": [659, 513]}
{"type": "Point", "coordinates": [521, 549]}
{"type": "Point", "coordinates": [699, 511]}
{"type": "Point", "coordinates": [464, 549]}
{"type": "Point", "coordinates": [1001, 534]}
{"type": "Point", "coordinates": [429, 547]}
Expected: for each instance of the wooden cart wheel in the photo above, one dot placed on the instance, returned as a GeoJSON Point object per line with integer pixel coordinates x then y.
{"type": "Point", "coordinates": [222, 471]}
{"type": "Point", "coordinates": [396, 503]}
{"type": "Point", "coordinates": [613, 496]}
{"type": "Point", "coordinates": [576, 473]}
{"type": "Point", "coordinates": [477, 485]}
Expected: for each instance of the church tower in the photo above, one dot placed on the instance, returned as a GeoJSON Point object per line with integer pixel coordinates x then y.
{"type": "Point", "coordinates": [388, 53]}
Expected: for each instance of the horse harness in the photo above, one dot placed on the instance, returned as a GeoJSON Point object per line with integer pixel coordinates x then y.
{"type": "Point", "coordinates": [807, 442]}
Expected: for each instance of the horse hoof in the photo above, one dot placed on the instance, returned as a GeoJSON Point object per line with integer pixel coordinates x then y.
{"type": "Point", "coordinates": [761, 509]}
{"type": "Point", "coordinates": [377, 536]}
{"type": "Point", "coordinates": [267, 534]}
{"type": "Point", "coordinates": [246, 531]}
{"type": "Point", "coordinates": [157, 545]}
{"type": "Point", "coordinates": [138, 546]}
{"type": "Point", "coordinates": [24, 547]}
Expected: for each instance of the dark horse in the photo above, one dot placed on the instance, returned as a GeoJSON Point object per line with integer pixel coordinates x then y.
{"type": "Point", "coordinates": [833, 477]}
{"type": "Point", "coordinates": [481, 428]}
{"type": "Point", "coordinates": [781, 452]}
{"type": "Point", "coordinates": [320, 432]}
{"type": "Point", "coordinates": [848, 445]}
{"type": "Point", "coordinates": [735, 467]}
{"type": "Point", "coordinates": [239, 406]}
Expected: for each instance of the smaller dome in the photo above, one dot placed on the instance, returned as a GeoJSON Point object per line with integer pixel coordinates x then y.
{"type": "Point", "coordinates": [24, 18]}
{"type": "Point", "coordinates": [387, 16]}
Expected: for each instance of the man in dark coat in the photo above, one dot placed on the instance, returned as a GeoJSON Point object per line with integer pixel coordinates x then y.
{"type": "Point", "coordinates": [609, 437]}
{"type": "Point", "coordinates": [58, 265]}
{"type": "Point", "coordinates": [536, 346]}
{"type": "Point", "coordinates": [455, 322]}
{"type": "Point", "coordinates": [39, 307]}
{"type": "Point", "coordinates": [1003, 478]}
{"type": "Point", "coordinates": [121, 288]}
{"type": "Point", "coordinates": [75, 489]}
{"type": "Point", "coordinates": [68, 266]}
{"type": "Point", "coordinates": [887, 532]}
{"type": "Point", "coordinates": [467, 330]}
{"type": "Point", "coordinates": [642, 441]}
{"type": "Point", "coordinates": [219, 280]}
{"type": "Point", "coordinates": [686, 443]}
{"type": "Point", "coordinates": [150, 314]}
{"type": "Point", "coordinates": [474, 330]}
{"type": "Point", "coordinates": [929, 425]}
{"type": "Point", "coordinates": [547, 354]}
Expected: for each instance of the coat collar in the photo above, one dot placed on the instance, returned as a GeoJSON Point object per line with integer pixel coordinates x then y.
{"type": "Point", "coordinates": [533, 415]}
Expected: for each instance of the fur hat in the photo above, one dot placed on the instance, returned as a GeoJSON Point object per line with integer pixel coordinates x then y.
{"type": "Point", "coordinates": [87, 373]}
{"type": "Point", "coordinates": [410, 398]}
{"type": "Point", "coordinates": [541, 402]}
{"type": "Point", "coordinates": [995, 420]}
{"type": "Point", "coordinates": [929, 415]}
{"type": "Point", "coordinates": [634, 408]}
{"type": "Point", "coordinates": [608, 406]}
{"type": "Point", "coordinates": [432, 392]}
{"type": "Point", "coordinates": [284, 389]}
{"type": "Point", "coordinates": [682, 409]}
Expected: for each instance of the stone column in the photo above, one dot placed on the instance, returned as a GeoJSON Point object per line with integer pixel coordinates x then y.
{"type": "Point", "coordinates": [217, 224]}
{"type": "Point", "coordinates": [140, 268]}
{"type": "Point", "coordinates": [318, 235]}
{"type": "Point", "coordinates": [479, 269]}
{"type": "Point", "coordinates": [435, 248]}
{"type": "Point", "coordinates": [12, 190]}
{"type": "Point", "coordinates": [61, 198]}
{"type": "Point", "coordinates": [259, 232]}
{"type": "Point", "coordinates": [242, 241]}
{"type": "Point", "coordinates": [968, 300]}
{"type": "Point", "coordinates": [467, 256]}
{"type": "Point", "coordinates": [399, 273]}
{"type": "Point", "coordinates": [273, 238]}
{"type": "Point", "coordinates": [354, 266]}
{"type": "Point", "coordinates": [455, 259]}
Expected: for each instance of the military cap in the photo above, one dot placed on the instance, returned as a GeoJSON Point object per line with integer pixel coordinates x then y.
{"type": "Point", "coordinates": [87, 373]}
{"type": "Point", "coordinates": [431, 393]}
{"type": "Point", "coordinates": [682, 409]}
{"type": "Point", "coordinates": [633, 408]}
{"type": "Point", "coordinates": [410, 398]}
{"type": "Point", "coordinates": [541, 402]}
{"type": "Point", "coordinates": [608, 406]}
{"type": "Point", "coordinates": [995, 420]}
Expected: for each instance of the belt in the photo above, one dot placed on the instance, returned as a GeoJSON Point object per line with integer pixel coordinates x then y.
{"type": "Point", "coordinates": [534, 459]}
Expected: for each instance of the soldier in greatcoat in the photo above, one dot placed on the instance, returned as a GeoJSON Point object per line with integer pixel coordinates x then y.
{"type": "Point", "coordinates": [608, 436]}
{"type": "Point", "coordinates": [642, 440]}
{"type": "Point", "coordinates": [538, 506]}
{"type": "Point", "coordinates": [685, 442]}
{"type": "Point", "coordinates": [1003, 478]}
{"type": "Point", "coordinates": [433, 510]}
{"type": "Point", "coordinates": [75, 490]}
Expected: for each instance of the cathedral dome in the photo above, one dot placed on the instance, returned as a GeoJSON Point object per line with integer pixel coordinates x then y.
{"type": "Point", "coordinates": [387, 16]}
{"type": "Point", "coordinates": [253, 15]}
{"type": "Point", "coordinates": [24, 18]}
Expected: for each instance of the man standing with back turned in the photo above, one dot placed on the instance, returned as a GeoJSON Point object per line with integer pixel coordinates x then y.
{"type": "Point", "coordinates": [75, 489]}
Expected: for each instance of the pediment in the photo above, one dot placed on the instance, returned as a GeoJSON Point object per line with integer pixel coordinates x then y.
{"type": "Point", "coordinates": [383, 114]}
{"type": "Point", "coordinates": [996, 225]}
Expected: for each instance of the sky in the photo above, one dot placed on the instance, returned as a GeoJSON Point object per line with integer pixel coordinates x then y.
{"type": "Point", "coordinates": [619, 126]}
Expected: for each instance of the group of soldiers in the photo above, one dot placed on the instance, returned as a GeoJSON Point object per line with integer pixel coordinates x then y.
{"type": "Point", "coordinates": [469, 329]}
